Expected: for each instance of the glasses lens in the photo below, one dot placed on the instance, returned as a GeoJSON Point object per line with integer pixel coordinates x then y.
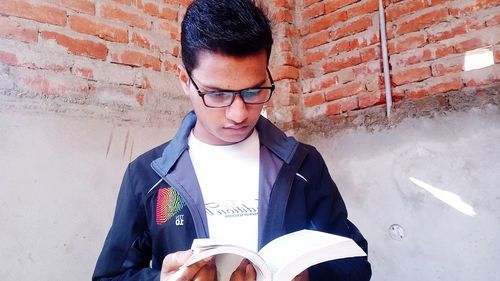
{"type": "Point", "coordinates": [256, 95]}
{"type": "Point", "coordinates": [218, 99]}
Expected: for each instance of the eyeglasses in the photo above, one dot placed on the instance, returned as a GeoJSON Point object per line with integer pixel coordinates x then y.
{"type": "Point", "coordinates": [218, 99]}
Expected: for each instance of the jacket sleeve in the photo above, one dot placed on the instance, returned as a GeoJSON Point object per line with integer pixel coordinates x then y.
{"type": "Point", "coordinates": [126, 253]}
{"type": "Point", "coordinates": [328, 213]}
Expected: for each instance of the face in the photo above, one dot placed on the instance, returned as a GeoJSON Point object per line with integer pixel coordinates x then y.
{"type": "Point", "coordinates": [232, 124]}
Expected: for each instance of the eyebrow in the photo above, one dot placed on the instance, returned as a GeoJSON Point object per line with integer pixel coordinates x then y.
{"type": "Point", "coordinates": [208, 88]}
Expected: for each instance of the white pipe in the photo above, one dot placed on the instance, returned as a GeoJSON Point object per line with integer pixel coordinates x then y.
{"type": "Point", "coordinates": [385, 58]}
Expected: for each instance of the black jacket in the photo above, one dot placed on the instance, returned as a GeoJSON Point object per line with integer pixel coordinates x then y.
{"type": "Point", "coordinates": [160, 209]}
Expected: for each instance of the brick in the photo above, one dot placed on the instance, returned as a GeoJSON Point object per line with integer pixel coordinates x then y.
{"type": "Point", "coordinates": [446, 31]}
{"type": "Point", "coordinates": [469, 44]}
{"type": "Point", "coordinates": [447, 66]}
{"type": "Point", "coordinates": [408, 75]}
{"type": "Point", "coordinates": [328, 81]}
{"type": "Point", "coordinates": [314, 99]}
{"type": "Point", "coordinates": [496, 54]}
{"type": "Point", "coordinates": [367, 99]}
{"type": "Point", "coordinates": [8, 58]}
{"type": "Point", "coordinates": [84, 72]}
{"type": "Point", "coordinates": [344, 90]}
{"type": "Point", "coordinates": [370, 53]}
{"type": "Point", "coordinates": [484, 76]}
{"type": "Point", "coordinates": [134, 19]}
{"type": "Point", "coordinates": [313, 56]}
{"type": "Point", "coordinates": [340, 46]}
{"type": "Point", "coordinates": [285, 72]}
{"type": "Point", "coordinates": [363, 8]}
{"type": "Point", "coordinates": [364, 39]}
{"type": "Point", "coordinates": [327, 21]}
{"type": "Point", "coordinates": [366, 69]}
{"type": "Point", "coordinates": [438, 2]}
{"type": "Point", "coordinates": [342, 105]}
{"type": "Point", "coordinates": [334, 5]}
{"type": "Point", "coordinates": [285, 45]}
{"type": "Point", "coordinates": [91, 26]}
{"type": "Point", "coordinates": [290, 31]}
{"type": "Point", "coordinates": [124, 2]}
{"type": "Point", "coordinates": [287, 58]}
{"type": "Point", "coordinates": [375, 83]}
{"type": "Point", "coordinates": [465, 8]}
{"type": "Point", "coordinates": [423, 20]}
{"type": "Point", "coordinates": [444, 84]}
{"type": "Point", "coordinates": [495, 20]}
{"type": "Point", "coordinates": [307, 3]}
{"type": "Point", "coordinates": [393, 12]}
{"type": "Point", "coordinates": [345, 75]}
{"type": "Point", "coordinates": [316, 39]}
{"type": "Point", "coordinates": [181, 2]}
{"type": "Point", "coordinates": [84, 6]}
{"type": "Point", "coordinates": [169, 14]}
{"type": "Point", "coordinates": [426, 53]}
{"type": "Point", "coordinates": [316, 84]}
{"type": "Point", "coordinates": [49, 83]}
{"type": "Point", "coordinates": [12, 30]}
{"type": "Point", "coordinates": [172, 29]}
{"type": "Point", "coordinates": [105, 72]}
{"type": "Point", "coordinates": [283, 16]}
{"type": "Point", "coordinates": [289, 4]}
{"type": "Point", "coordinates": [37, 12]}
{"type": "Point", "coordinates": [77, 46]}
{"type": "Point", "coordinates": [352, 27]}
{"type": "Point", "coordinates": [417, 94]}
{"type": "Point", "coordinates": [405, 43]}
{"type": "Point", "coordinates": [341, 62]}
{"type": "Point", "coordinates": [135, 58]}
{"type": "Point", "coordinates": [149, 8]}
{"type": "Point", "coordinates": [141, 40]}
{"type": "Point", "coordinates": [313, 11]}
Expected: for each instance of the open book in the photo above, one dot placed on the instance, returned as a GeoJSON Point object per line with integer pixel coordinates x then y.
{"type": "Point", "coordinates": [281, 259]}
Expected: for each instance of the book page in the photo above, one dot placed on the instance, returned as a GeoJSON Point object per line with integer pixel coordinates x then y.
{"type": "Point", "coordinates": [291, 254]}
{"type": "Point", "coordinates": [228, 257]}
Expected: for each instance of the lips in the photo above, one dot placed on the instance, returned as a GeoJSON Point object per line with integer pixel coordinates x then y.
{"type": "Point", "coordinates": [236, 127]}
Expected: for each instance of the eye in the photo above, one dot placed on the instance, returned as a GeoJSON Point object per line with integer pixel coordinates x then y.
{"type": "Point", "coordinates": [250, 93]}
{"type": "Point", "coordinates": [218, 96]}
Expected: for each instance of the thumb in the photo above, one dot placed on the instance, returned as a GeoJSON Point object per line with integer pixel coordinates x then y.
{"type": "Point", "coordinates": [172, 262]}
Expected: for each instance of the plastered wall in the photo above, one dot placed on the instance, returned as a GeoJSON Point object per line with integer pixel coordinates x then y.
{"type": "Point", "coordinates": [436, 179]}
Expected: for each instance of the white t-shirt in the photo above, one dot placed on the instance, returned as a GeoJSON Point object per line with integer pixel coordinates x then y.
{"type": "Point", "coordinates": [229, 180]}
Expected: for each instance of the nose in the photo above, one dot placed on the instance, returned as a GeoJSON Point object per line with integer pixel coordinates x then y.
{"type": "Point", "coordinates": [237, 111]}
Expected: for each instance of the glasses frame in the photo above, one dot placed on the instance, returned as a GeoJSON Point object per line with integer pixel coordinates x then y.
{"type": "Point", "coordinates": [235, 92]}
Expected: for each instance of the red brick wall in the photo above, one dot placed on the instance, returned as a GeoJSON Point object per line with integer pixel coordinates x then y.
{"type": "Point", "coordinates": [55, 48]}
{"type": "Point", "coordinates": [326, 60]}
{"type": "Point", "coordinates": [427, 41]}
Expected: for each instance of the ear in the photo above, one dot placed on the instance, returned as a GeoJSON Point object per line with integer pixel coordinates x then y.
{"type": "Point", "coordinates": [183, 79]}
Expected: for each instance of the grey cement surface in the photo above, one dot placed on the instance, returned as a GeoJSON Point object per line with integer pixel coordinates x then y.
{"type": "Point", "coordinates": [437, 179]}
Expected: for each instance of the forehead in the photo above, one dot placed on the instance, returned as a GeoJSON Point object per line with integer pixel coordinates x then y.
{"type": "Point", "coordinates": [230, 72]}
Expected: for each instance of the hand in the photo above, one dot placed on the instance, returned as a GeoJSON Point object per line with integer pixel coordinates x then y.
{"type": "Point", "coordinates": [203, 270]}
{"type": "Point", "coordinates": [303, 276]}
{"type": "Point", "coordinates": [244, 272]}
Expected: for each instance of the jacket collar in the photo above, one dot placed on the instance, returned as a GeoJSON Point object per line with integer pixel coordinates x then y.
{"type": "Point", "coordinates": [270, 136]}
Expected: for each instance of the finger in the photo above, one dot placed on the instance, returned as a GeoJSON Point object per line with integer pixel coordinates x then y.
{"type": "Point", "coordinates": [245, 272]}
{"type": "Point", "coordinates": [187, 273]}
{"type": "Point", "coordinates": [172, 262]}
{"type": "Point", "coordinates": [250, 273]}
{"type": "Point", "coordinates": [303, 276]}
{"type": "Point", "coordinates": [207, 272]}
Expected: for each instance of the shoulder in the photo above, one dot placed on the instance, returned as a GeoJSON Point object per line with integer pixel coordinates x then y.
{"type": "Point", "coordinates": [139, 171]}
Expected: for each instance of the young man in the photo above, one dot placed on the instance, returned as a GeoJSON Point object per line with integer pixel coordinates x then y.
{"type": "Point", "coordinates": [228, 172]}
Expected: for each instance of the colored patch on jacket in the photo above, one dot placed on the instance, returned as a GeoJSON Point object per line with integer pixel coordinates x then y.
{"type": "Point", "coordinates": [168, 204]}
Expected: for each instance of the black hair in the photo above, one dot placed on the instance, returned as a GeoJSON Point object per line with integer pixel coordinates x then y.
{"type": "Point", "coordinates": [230, 27]}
